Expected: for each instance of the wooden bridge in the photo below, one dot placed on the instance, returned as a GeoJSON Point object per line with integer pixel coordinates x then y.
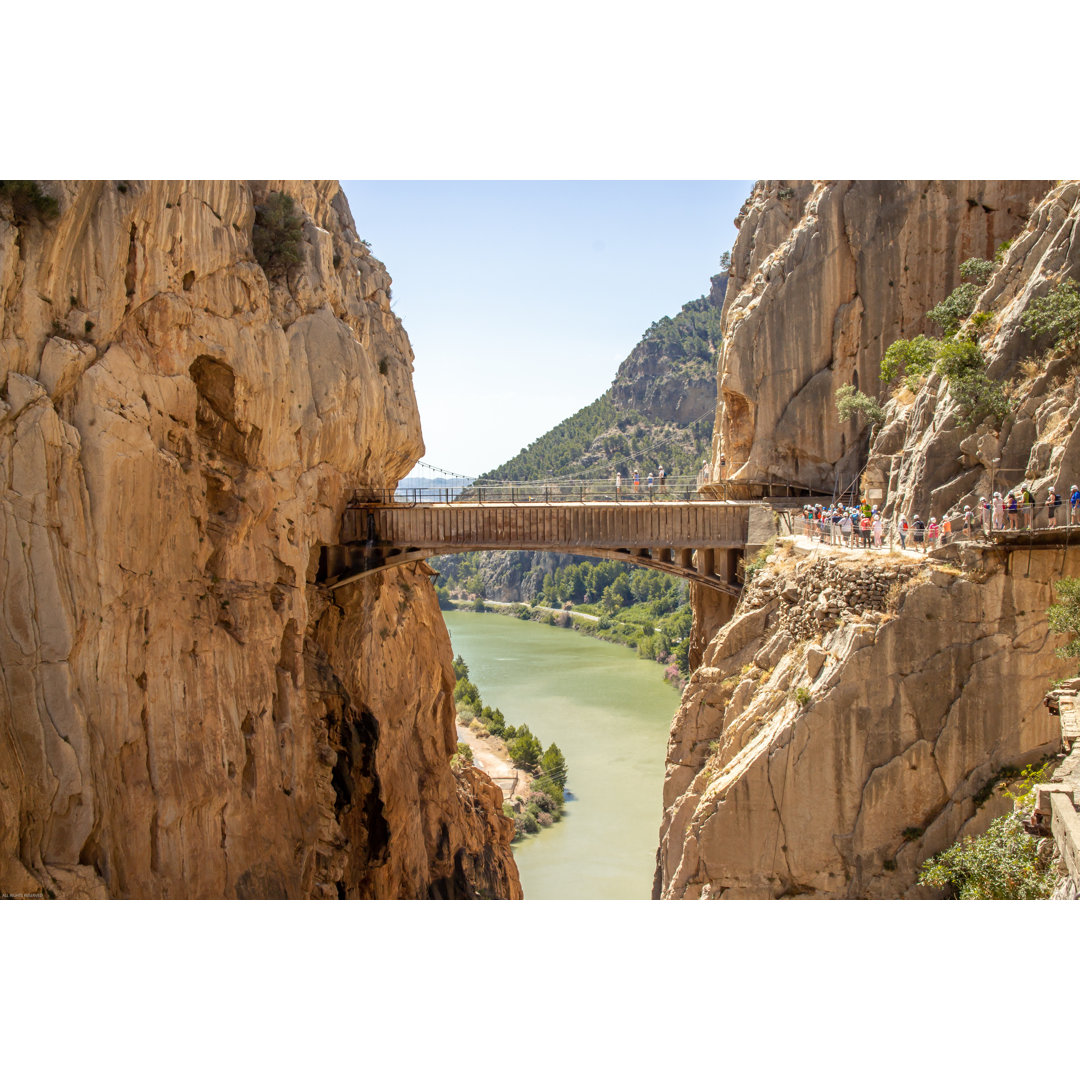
{"type": "Point", "coordinates": [699, 540]}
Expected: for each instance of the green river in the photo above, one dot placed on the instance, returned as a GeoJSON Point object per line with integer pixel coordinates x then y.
{"type": "Point", "coordinates": [609, 712]}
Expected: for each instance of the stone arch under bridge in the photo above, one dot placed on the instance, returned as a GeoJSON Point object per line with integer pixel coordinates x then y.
{"type": "Point", "coordinates": [701, 541]}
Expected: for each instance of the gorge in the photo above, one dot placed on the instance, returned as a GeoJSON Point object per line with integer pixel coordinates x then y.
{"type": "Point", "coordinates": [197, 376]}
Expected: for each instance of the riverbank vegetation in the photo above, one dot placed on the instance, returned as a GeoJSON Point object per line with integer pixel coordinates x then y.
{"type": "Point", "coordinates": [646, 610]}
{"type": "Point", "coordinates": [543, 805]}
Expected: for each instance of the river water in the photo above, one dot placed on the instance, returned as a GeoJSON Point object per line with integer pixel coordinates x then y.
{"type": "Point", "coordinates": [609, 712]}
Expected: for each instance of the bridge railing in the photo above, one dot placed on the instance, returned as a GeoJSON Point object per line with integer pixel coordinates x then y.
{"type": "Point", "coordinates": [673, 488]}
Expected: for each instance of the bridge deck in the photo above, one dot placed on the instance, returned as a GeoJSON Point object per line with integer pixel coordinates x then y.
{"type": "Point", "coordinates": [550, 526]}
{"type": "Point", "coordinates": [699, 540]}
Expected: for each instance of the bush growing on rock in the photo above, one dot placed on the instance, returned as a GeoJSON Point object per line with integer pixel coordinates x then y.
{"type": "Point", "coordinates": [1056, 315]}
{"type": "Point", "coordinates": [979, 270]}
{"type": "Point", "coordinates": [277, 234]}
{"type": "Point", "coordinates": [912, 359]}
{"type": "Point", "coordinates": [28, 201]}
{"type": "Point", "coordinates": [1064, 616]}
{"type": "Point", "coordinates": [850, 401]}
{"type": "Point", "coordinates": [462, 756]}
{"type": "Point", "coordinates": [956, 357]}
{"type": "Point", "coordinates": [955, 308]}
{"type": "Point", "coordinates": [1005, 863]}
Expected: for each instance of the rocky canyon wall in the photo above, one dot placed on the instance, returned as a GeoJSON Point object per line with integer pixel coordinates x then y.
{"type": "Point", "coordinates": [183, 712]}
{"type": "Point", "coordinates": [825, 275]}
{"type": "Point", "coordinates": [846, 723]}
{"type": "Point", "coordinates": [927, 457]}
{"type": "Point", "coordinates": [844, 726]}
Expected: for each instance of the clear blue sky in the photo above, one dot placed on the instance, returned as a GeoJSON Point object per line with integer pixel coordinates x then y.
{"type": "Point", "coordinates": [522, 298]}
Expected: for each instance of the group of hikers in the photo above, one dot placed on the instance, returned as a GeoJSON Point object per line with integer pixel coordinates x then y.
{"type": "Point", "coordinates": [635, 483]}
{"type": "Point", "coordinates": [863, 525]}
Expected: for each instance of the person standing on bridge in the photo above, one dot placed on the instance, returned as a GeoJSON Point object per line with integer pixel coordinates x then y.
{"type": "Point", "coordinates": [637, 482]}
{"type": "Point", "coordinates": [1013, 508]}
{"type": "Point", "coordinates": [1027, 502]}
{"type": "Point", "coordinates": [1074, 505]}
{"type": "Point", "coordinates": [1053, 501]}
{"type": "Point", "coordinates": [662, 475]}
{"type": "Point", "coordinates": [648, 484]}
{"type": "Point", "coordinates": [618, 484]}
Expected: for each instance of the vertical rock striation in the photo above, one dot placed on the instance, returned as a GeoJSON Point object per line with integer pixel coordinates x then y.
{"type": "Point", "coordinates": [183, 713]}
{"type": "Point", "coordinates": [929, 457]}
{"type": "Point", "coordinates": [824, 277]}
{"type": "Point", "coordinates": [845, 724]}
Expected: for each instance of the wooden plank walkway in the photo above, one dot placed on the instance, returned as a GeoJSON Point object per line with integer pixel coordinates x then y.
{"type": "Point", "coordinates": [549, 527]}
{"type": "Point", "coordinates": [701, 541]}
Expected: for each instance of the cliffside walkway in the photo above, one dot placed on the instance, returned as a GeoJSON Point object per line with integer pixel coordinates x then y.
{"type": "Point", "coordinates": [700, 539]}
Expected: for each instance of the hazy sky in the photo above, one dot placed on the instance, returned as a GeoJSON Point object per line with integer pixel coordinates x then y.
{"type": "Point", "coordinates": [522, 298]}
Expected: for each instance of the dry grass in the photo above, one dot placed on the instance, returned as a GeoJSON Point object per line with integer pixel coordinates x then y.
{"type": "Point", "coordinates": [894, 596]}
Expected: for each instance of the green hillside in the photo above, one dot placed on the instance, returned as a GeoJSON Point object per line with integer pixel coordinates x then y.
{"type": "Point", "coordinates": [658, 411]}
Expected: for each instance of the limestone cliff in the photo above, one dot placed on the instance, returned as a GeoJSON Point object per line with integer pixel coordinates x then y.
{"type": "Point", "coordinates": [842, 726]}
{"type": "Point", "coordinates": [824, 277]}
{"type": "Point", "coordinates": [927, 458]}
{"type": "Point", "coordinates": [184, 713]}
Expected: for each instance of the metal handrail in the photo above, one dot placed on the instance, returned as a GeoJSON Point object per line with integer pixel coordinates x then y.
{"type": "Point", "coordinates": [674, 489]}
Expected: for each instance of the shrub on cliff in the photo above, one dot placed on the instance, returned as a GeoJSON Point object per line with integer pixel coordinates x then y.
{"type": "Point", "coordinates": [1005, 863]}
{"type": "Point", "coordinates": [956, 357]}
{"type": "Point", "coordinates": [979, 270]}
{"type": "Point", "coordinates": [912, 359]}
{"type": "Point", "coordinates": [1064, 616]}
{"type": "Point", "coordinates": [850, 401]}
{"type": "Point", "coordinates": [28, 201]}
{"type": "Point", "coordinates": [277, 234]}
{"type": "Point", "coordinates": [1002, 864]}
{"type": "Point", "coordinates": [955, 308]}
{"type": "Point", "coordinates": [1056, 315]}
{"type": "Point", "coordinates": [462, 756]}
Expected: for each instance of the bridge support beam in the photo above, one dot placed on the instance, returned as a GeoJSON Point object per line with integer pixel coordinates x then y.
{"type": "Point", "coordinates": [706, 562]}
{"type": "Point", "coordinates": [732, 556]}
